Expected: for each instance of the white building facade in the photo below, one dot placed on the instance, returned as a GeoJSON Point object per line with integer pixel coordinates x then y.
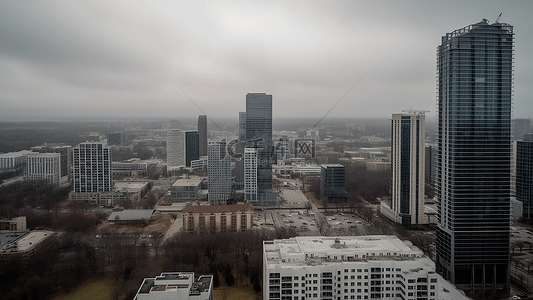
{"type": "Point", "coordinates": [350, 267]}
{"type": "Point", "coordinates": [175, 149]}
{"type": "Point", "coordinates": [43, 168]}
{"type": "Point", "coordinates": [92, 168]}
{"type": "Point", "coordinates": [250, 174]}
{"type": "Point", "coordinates": [218, 173]}
{"type": "Point", "coordinates": [408, 165]}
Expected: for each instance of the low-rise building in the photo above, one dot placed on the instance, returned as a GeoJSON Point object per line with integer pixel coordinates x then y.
{"type": "Point", "coordinates": [186, 188]}
{"type": "Point", "coordinates": [176, 286]}
{"type": "Point", "coordinates": [124, 192]}
{"type": "Point", "coordinates": [131, 216]}
{"type": "Point", "coordinates": [13, 224]}
{"type": "Point", "coordinates": [218, 218]}
{"type": "Point", "coordinates": [16, 245]}
{"type": "Point", "coordinates": [350, 267]}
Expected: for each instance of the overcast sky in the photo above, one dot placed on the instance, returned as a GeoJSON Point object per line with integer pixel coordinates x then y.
{"type": "Point", "coordinates": [62, 59]}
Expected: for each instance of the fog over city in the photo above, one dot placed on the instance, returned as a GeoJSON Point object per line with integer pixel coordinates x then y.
{"type": "Point", "coordinates": [66, 60]}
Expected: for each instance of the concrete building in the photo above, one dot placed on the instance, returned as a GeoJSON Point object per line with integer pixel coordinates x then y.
{"type": "Point", "coordinates": [218, 218]}
{"type": "Point", "coordinates": [202, 135]}
{"type": "Point", "coordinates": [524, 174]}
{"type": "Point", "coordinates": [92, 168]}
{"type": "Point", "coordinates": [117, 138]}
{"type": "Point", "coordinates": [186, 189]}
{"type": "Point", "coordinates": [333, 182]}
{"type": "Point", "coordinates": [250, 174]}
{"type": "Point", "coordinates": [176, 286]}
{"type": "Point", "coordinates": [175, 149]}
{"type": "Point", "coordinates": [259, 135]}
{"type": "Point", "coordinates": [519, 128]}
{"type": "Point", "coordinates": [13, 160]}
{"type": "Point", "coordinates": [66, 158]}
{"type": "Point", "coordinates": [218, 173]}
{"type": "Point", "coordinates": [475, 74]}
{"type": "Point", "coordinates": [407, 166]}
{"type": "Point", "coordinates": [21, 245]}
{"type": "Point", "coordinates": [43, 168]}
{"type": "Point", "coordinates": [124, 192]}
{"type": "Point", "coordinates": [350, 267]}
{"type": "Point", "coordinates": [239, 149]}
{"type": "Point", "coordinates": [13, 224]}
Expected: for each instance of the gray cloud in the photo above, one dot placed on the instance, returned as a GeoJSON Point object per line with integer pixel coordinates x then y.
{"type": "Point", "coordinates": [61, 58]}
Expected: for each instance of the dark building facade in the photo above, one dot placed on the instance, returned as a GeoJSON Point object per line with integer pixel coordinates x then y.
{"type": "Point", "coordinates": [115, 138]}
{"type": "Point", "coordinates": [333, 182]}
{"type": "Point", "coordinates": [259, 135]}
{"type": "Point", "coordinates": [520, 127]}
{"type": "Point", "coordinates": [474, 72]}
{"type": "Point", "coordinates": [524, 174]}
{"type": "Point", "coordinates": [192, 151]}
{"type": "Point", "coordinates": [202, 135]}
{"type": "Point", "coordinates": [239, 148]}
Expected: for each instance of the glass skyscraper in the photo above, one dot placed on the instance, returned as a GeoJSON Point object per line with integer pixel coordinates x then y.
{"type": "Point", "coordinates": [259, 135]}
{"type": "Point", "coordinates": [474, 71]}
{"type": "Point", "coordinates": [524, 174]}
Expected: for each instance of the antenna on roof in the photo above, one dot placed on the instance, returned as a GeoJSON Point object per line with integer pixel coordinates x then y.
{"type": "Point", "coordinates": [498, 18]}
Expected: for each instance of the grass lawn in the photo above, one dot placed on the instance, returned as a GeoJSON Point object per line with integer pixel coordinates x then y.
{"type": "Point", "coordinates": [237, 292]}
{"type": "Point", "coordinates": [102, 289]}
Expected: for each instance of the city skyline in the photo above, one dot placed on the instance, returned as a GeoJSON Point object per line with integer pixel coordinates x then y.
{"type": "Point", "coordinates": [144, 60]}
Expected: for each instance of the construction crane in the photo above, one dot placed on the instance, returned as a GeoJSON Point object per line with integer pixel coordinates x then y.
{"type": "Point", "coordinates": [498, 18]}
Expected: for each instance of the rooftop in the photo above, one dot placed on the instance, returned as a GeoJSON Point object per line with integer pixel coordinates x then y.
{"type": "Point", "coordinates": [241, 206]}
{"type": "Point", "coordinates": [193, 181]}
{"type": "Point", "coordinates": [131, 215]}
{"type": "Point", "coordinates": [21, 241]}
{"type": "Point", "coordinates": [128, 185]}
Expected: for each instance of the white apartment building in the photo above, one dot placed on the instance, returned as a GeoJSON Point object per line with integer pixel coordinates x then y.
{"type": "Point", "coordinates": [350, 267]}
{"type": "Point", "coordinates": [250, 174]}
{"type": "Point", "coordinates": [43, 168]}
{"type": "Point", "coordinates": [92, 168]}
{"type": "Point", "coordinates": [13, 160]}
{"type": "Point", "coordinates": [408, 168]}
{"type": "Point", "coordinates": [218, 173]}
{"type": "Point", "coordinates": [176, 286]}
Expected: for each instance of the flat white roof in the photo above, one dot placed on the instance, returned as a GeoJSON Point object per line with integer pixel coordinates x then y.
{"type": "Point", "coordinates": [129, 185]}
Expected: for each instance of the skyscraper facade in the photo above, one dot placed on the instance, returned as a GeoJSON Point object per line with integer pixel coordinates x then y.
{"type": "Point", "coordinates": [202, 134]}
{"type": "Point", "coordinates": [520, 127]}
{"type": "Point", "coordinates": [474, 71]}
{"type": "Point", "coordinates": [407, 165]}
{"type": "Point", "coordinates": [333, 182]}
{"type": "Point", "coordinates": [218, 173]}
{"type": "Point", "coordinates": [259, 135]}
{"type": "Point", "coordinates": [250, 174]}
{"type": "Point", "coordinates": [239, 149]}
{"type": "Point", "coordinates": [524, 174]}
{"type": "Point", "coordinates": [92, 168]}
{"type": "Point", "coordinates": [175, 149]}
{"type": "Point", "coordinates": [192, 151]}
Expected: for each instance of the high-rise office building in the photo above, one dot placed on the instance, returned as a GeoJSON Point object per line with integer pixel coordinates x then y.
{"type": "Point", "coordinates": [259, 135]}
{"type": "Point", "coordinates": [66, 158]}
{"type": "Point", "coordinates": [239, 149]}
{"type": "Point", "coordinates": [116, 138]}
{"type": "Point", "coordinates": [192, 151]}
{"type": "Point", "coordinates": [407, 166]}
{"type": "Point", "coordinates": [175, 149]}
{"type": "Point", "coordinates": [250, 174]}
{"type": "Point", "coordinates": [43, 168]}
{"type": "Point", "coordinates": [474, 71]}
{"type": "Point", "coordinates": [430, 160]}
{"type": "Point", "coordinates": [520, 127]}
{"type": "Point", "coordinates": [182, 148]}
{"type": "Point", "coordinates": [92, 168]}
{"type": "Point", "coordinates": [333, 182]}
{"type": "Point", "coordinates": [524, 174]}
{"type": "Point", "coordinates": [202, 134]}
{"type": "Point", "coordinates": [218, 173]}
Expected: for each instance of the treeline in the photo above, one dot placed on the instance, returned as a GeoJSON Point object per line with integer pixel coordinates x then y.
{"type": "Point", "coordinates": [16, 196]}
{"type": "Point", "coordinates": [78, 254]}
